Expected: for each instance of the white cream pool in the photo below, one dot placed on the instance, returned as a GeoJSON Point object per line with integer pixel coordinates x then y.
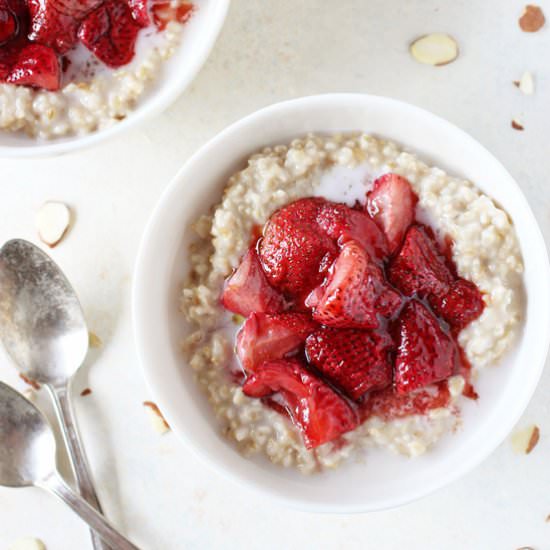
{"type": "Point", "coordinates": [340, 168]}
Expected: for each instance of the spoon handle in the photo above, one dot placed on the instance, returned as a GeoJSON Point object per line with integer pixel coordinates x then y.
{"type": "Point", "coordinates": [67, 421]}
{"type": "Point", "coordinates": [94, 519]}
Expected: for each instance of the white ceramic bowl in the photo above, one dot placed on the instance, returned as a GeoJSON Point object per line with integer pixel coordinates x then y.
{"type": "Point", "coordinates": [198, 38]}
{"type": "Point", "coordinates": [384, 480]}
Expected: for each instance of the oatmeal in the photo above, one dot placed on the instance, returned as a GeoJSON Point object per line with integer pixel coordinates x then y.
{"type": "Point", "coordinates": [67, 74]}
{"type": "Point", "coordinates": [486, 257]}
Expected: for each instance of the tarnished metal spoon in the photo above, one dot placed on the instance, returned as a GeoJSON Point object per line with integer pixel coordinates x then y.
{"type": "Point", "coordinates": [43, 329]}
{"type": "Point", "coordinates": [27, 457]}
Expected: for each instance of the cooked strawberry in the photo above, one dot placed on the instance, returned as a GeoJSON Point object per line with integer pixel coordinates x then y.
{"type": "Point", "coordinates": [55, 23]}
{"type": "Point", "coordinates": [8, 24]}
{"type": "Point", "coordinates": [164, 12]}
{"type": "Point", "coordinates": [345, 224]}
{"type": "Point", "coordinates": [355, 292]}
{"type": "Point", "coordinates": [15, 22]}
{"type": "Point", "coordinates": [247, 289]}
{"type": "Point", "coordinates": [140, 11]}
{"type": "Point", "coordinates": [357, 361]}
{"type": "Point", "coordinates": [461, 305]}
{"type": "Point", "coordinates": [420, 265]}
{"type": "Point", "coordinates": [293, 251]}
{"type": "Point", "coordinates": [425, 354]}
{"type": "Point", "coordinates": [316, 409]}
{"type": "Point", "coordinates": [36, 66]}
{"type": "Point", "coordinates": [5, 65]}
{"type": "Point", "coordinates": [314, 297]}
{"type": "Point", "coordinates": [110, 32]}
{"type": "Point", "coordinates": [9, 53]}
{"type": "Point", "coordinates": [266, 337]}
{"type": "Point", "coordinates": [391, 203]}
{"type": "Point", "coordinates": [20, 10]}
{"type": "Point", "coordinates": [390, 405]}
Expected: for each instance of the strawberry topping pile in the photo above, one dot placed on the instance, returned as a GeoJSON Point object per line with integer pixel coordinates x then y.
{"type": "Point", "coordinates": [36, 35]}
{"type": "Point", "coordinates": [350, 312]}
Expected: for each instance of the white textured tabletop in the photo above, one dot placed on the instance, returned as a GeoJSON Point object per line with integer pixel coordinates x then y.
{"type": "Point", "coordinates": [150, 485]}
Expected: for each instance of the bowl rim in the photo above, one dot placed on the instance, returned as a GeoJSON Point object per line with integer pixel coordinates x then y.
{"type": "Point", "coordinates": [166, 95]}
{"type": "Point", "coordinates": [139, 320]}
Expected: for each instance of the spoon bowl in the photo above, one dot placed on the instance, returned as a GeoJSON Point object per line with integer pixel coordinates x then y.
{"type": "Point", "coordinates": [27, 444]}
{"type": "Point", "coordinates": [43, 329]}
{"type": "Point", "coordinates": [43, 326]}
{"type": "Point", "coordinates": [27, 457]}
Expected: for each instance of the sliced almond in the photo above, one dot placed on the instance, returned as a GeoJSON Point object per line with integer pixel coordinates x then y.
{"type": "Point", "coordinates": [532, 19]}
{"type": "Point", "coordinates": [526, 83]}
{"type": "Point", "coordinates": [157, 419]}
{"type": "Point", "coordinates": [524, 441]}
{"type": "Point", "coordinates": [94, 340]}
{"type": "Point", "coordinates": [517, 124]}
{"type": "Point", "coordinates": [28, 543]}
{"type": "Point", "coordinates": [533, 439]}
{"type": "Point", "coordinates": [52, 222]}
{"type": "Point", "coordinates": [434, 49]}
{"type": "Point", "coordinates": [32, 383]}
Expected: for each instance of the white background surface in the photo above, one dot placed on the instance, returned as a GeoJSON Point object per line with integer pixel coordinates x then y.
{"type": "Point", "coordinates": [150, 486]}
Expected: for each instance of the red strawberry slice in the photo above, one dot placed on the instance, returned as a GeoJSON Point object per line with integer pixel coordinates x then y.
{"type": "Point", "coordinates": [266, 337]}
{"type": "Point", "coordinates": [36, 66]}
{"type": "Point", "coordinates": [314, 297]}
{"type": "Point", "coordinates": [316, 409]}
{"type": "Point", "coordinates": [14, 22]}
{"type": "Point", "coordinates": [390, 405]}
{"type": "Point", "coordinates": [344, 224]}
{"type": "Point", "coordinates": [357, 361]}
{"type": "Point", "coordinates": [7, 59]}
{"type": "Point", "coordinates": [110, 32]}
{"type": "Point", "coordinates": [55, 23]}
{"type": "Point", "coordinates": [461, 305]}
{"type": "Point", "coordinates": [164, 12]}
{"type": "Point", "coordinates": [9, 25]}
{"type": "Point", "coordinates": [420, 266]}
{"type": "Point", "coordinates": [9, 53]}
{"type": "Point", "coordinates": [140, 11]}
{"type": "Point", "coordinates": [355, 292]}
{"type": "Point", "coordinates": [22, 62]}
{"type": "Point", "coordinates": [248, 290]}
{"type": "Point", "coordinates": [293, 251]}
{"type": "Point", "coordinates": [391, 203]}
{"type": "Point", "coordinates": [425, 354]}
{"type": "Point", "coordinates": [19, 9]}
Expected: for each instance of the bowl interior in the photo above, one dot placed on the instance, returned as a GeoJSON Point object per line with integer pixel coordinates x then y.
{"type": "Point", "coordinates": [383, 480]}
{"type": "Point", "coordinates": [198, 37]}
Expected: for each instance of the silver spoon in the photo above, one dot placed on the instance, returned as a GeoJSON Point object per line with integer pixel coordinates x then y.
{"type": "Point", "coordinates": [27, 457]}
{"type": "Point", "coordinates": [44, 331]}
